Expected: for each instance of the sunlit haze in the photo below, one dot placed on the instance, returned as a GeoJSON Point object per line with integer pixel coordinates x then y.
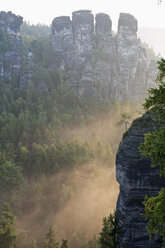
{"type": "Point", "coordinates": [148, 12]}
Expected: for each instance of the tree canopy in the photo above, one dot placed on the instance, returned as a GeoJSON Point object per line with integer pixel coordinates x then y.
{"type": "Point", "coordinates": [7, 229]}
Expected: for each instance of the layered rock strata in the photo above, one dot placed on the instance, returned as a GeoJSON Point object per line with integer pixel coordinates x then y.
{"type": "Point", "coordinates": [98, 64]}
{"type": "Point", "coordinates": [136, 179]}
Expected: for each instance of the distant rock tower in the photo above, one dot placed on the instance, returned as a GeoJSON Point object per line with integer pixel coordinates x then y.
{"type": "Point", "coordinates": [98, 64]}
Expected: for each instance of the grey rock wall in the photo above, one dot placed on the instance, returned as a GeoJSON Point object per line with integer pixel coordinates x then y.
{"type": "Point", "coordinates": [97, 63]}
{"type": "Point", "coordinates": [12, 54]}
{"type": "Point", "coordinates": [10, 59]}
{"type": "Point", "coordinates": [130, 64]}
{"type": "Point", "coordinates": [10, 22]}
{"type": "Point", "coordinates": [136, 179]}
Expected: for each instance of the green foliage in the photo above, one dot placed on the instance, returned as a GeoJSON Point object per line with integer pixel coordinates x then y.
{"type": "Point", "coordinates": [10, 176]}
{"type": "Point", "coordinates": [156, 98]}
{"type": "Point", "coordinates": [29, 122]}
{"type": "Point", "coordinates": [94, 243]}
{"type": "Point", "coordinates": [49, 158]}
{"type": "Point", "coordinates": [125, 116]}
{"type": "Point", "coordinates": [64, 243]}
{"type": "Point", "coordinates": [51, 239]}
{"type": "Point", "coordinates": [110, 231]}
{"type": "Point", "coordinates": [32, 121]}
{"type": "Point", "coordinates": [154, 148]}
{"type": "Point", "coordinates": [39, 30]}
{"type": "Point", "coordinates": [155, 214]}
{"type": "Point", "coordinates": [154, 143]}
{"type": "Point", "coordinates": [7, 230]}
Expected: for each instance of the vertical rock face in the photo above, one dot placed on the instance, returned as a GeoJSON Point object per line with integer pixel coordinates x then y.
{"type": "Point", "coordinates": [105, 50]}
{"type": "Point", "coordinates": [136, 179]}
{"type": "Point", "coordinates": [96, 63]}
{"type": "Point", "coordinates": [83, 32]}
{"type": "Point", "coordinates": [73, 41]}
{"type": "Point", "coordinates": [11, 50]}
{"type": "Point", "coordinates": [10, 22]}
{"type": "Point", "coordinates": [130, 67]}
{"type": "Point", "coordinates": [62, 38]}
{"type": "Point", "coordinates": [62, 34]}
{"type": "Point", "coordinates": [10, 45]}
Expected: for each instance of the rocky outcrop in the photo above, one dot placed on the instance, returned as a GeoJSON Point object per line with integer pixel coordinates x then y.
{"type": "Point", "coordinates": [130, 60]}
{"type": "Point", "coordinates": [10, 22]}
{"type": "Point", "coordinates": [105, 52]}
{"type": "Point", "coordinates": [98, 64]}
{"type": "Point", "coordinates": [13, 56]}
{"type": "Point", "coordinates": [10, 46]}
{"type": "Point", "coordinates": [136, 179]}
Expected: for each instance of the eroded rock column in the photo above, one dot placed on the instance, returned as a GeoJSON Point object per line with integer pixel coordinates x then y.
{"type": "Point", "coordinates": [130, 64]}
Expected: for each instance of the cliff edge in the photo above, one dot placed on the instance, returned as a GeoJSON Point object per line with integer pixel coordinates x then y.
{"type": "Point", "coordinates": [136, 179]}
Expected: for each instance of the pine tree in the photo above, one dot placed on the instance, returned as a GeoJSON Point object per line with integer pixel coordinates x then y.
{"type": "Point", "coordinates": [51, 239]}
{"type": "Point", "coordinates": [7, 229]}
{"type": "Point", "coordinates": [110, 231]}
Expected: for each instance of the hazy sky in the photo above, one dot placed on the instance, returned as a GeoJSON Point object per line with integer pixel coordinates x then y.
{"type": "Point", "coordinates": [148, 12]}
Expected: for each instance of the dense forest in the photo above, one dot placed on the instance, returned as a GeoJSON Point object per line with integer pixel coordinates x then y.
{"type": "Point", "coordinates": [56, 153]}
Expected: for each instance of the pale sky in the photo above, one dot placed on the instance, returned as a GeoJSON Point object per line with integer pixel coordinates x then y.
{"type": "Point", "coordinates": [147, 12]}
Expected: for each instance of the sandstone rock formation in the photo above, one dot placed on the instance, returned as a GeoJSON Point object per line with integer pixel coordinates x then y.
{"type": "Point", "coordinates": [98, 64]}
{"type": "Point", "coordinates": [10, 46]}
{"type": "Point", "coordinates": [130, 65]}
{"type": "Point", "coordinates": [10, 22]}
{"type": "Point", "coordinates": [12, 54]}
{"type": "Point", "coordinates": [136, 179]}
